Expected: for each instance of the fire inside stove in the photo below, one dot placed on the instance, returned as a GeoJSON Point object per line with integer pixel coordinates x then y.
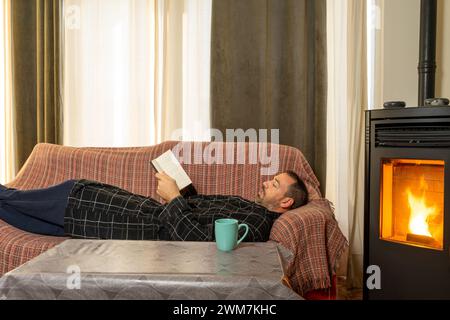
{"type": "Point", "coordinates": [412, 202]}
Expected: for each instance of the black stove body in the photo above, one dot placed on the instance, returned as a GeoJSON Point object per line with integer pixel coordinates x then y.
{"type": "Point", "coordinates": [408, 161]}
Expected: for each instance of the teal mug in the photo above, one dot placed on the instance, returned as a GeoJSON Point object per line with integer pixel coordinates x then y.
{"type": "Point", "coordinates": [226, 232]}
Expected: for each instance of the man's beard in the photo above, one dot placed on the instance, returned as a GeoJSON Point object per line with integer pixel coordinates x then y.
{"type": "Point", "coordinates": [261, 199]}
{"type": "Point", "coordinates": [260, 196]}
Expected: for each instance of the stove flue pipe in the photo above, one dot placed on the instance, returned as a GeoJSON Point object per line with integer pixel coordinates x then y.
{"type": "Point", "coordinates": [427, 59]}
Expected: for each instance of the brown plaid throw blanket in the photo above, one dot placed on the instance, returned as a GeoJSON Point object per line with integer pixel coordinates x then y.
{"type": "Point", "coordinates": [310, 232]}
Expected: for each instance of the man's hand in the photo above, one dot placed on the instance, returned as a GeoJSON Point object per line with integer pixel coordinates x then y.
{"type": "Point", "coordinates": [167, 187]}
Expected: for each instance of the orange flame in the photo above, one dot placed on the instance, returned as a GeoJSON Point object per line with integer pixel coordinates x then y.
{"type": "Point", "coordinates": [419, 211]}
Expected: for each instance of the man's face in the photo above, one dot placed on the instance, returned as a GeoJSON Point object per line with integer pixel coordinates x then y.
{"type": "Point", "coordinates": [272, 194]}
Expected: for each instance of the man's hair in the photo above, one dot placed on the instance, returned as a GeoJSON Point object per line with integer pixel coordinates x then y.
{"type": "Point", "coordinates": [297, 191]}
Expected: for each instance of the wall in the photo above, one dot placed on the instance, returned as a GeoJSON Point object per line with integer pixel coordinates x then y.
{"type": "Point", "coordinates": [400, 50]}
{"type": "Point", "coordinates": [443, 50]}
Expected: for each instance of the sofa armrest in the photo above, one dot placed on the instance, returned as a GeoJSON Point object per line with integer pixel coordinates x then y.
{"type": "Point", "coordinates": [312, 234]}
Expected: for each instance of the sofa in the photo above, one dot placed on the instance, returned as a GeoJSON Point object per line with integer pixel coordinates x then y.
{"type": "Point", "coordinates": [310, 232]}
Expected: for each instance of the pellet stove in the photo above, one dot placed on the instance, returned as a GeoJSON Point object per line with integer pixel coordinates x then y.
{"type": "Point", "coordinates": [407, 209]}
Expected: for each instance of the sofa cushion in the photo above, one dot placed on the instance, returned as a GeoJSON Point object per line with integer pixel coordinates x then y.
{"type": "Point", "coordinates": [18, 247]}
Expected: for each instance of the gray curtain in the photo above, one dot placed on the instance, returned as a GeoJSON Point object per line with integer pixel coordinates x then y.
{"type": "Point", "coordinates": [268, 71]}
{"type": "Point", "coordinates": [35, 35]}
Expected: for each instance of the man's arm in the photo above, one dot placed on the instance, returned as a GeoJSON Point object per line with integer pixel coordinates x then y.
{"type": "Point", "coordinates": [178, 218]}
{"type": "Point", "coordinates": [177, 215]}
{"type": "Point", "coordinates": [181, 221]}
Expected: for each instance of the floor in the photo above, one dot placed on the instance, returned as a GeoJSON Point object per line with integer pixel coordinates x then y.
{"type": "Point", "coordinates": [343, 293]}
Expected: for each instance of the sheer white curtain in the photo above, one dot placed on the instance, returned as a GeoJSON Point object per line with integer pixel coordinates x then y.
{"type": "Point", "coordinates": [7, 163]}
{"type": "Point", "coordinates": [134, 70]}
{"type": "Point", "coordinates": [347, 100]}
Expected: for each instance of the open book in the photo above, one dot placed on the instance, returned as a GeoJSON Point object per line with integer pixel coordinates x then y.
{"type": "Point", "coordinates": [168, 163]}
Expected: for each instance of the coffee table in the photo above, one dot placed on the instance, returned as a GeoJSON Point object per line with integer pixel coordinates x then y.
{"type": "Point", "coordinates": [110, 269]}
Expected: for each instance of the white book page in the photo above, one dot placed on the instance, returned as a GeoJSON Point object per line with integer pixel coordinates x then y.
{"type": "Point", "coordinates": [168, 163]}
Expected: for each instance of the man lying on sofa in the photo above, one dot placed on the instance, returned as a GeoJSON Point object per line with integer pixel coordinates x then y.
{"type": "Point", "coordinates": [93, 210]}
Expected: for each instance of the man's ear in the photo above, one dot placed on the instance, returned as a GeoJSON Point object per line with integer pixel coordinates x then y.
{"type": "Point", "coordinates": [286, 203]}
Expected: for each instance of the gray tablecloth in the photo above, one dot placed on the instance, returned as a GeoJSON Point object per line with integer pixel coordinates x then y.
{"type": "Point", "coordinates": [96, 269]}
